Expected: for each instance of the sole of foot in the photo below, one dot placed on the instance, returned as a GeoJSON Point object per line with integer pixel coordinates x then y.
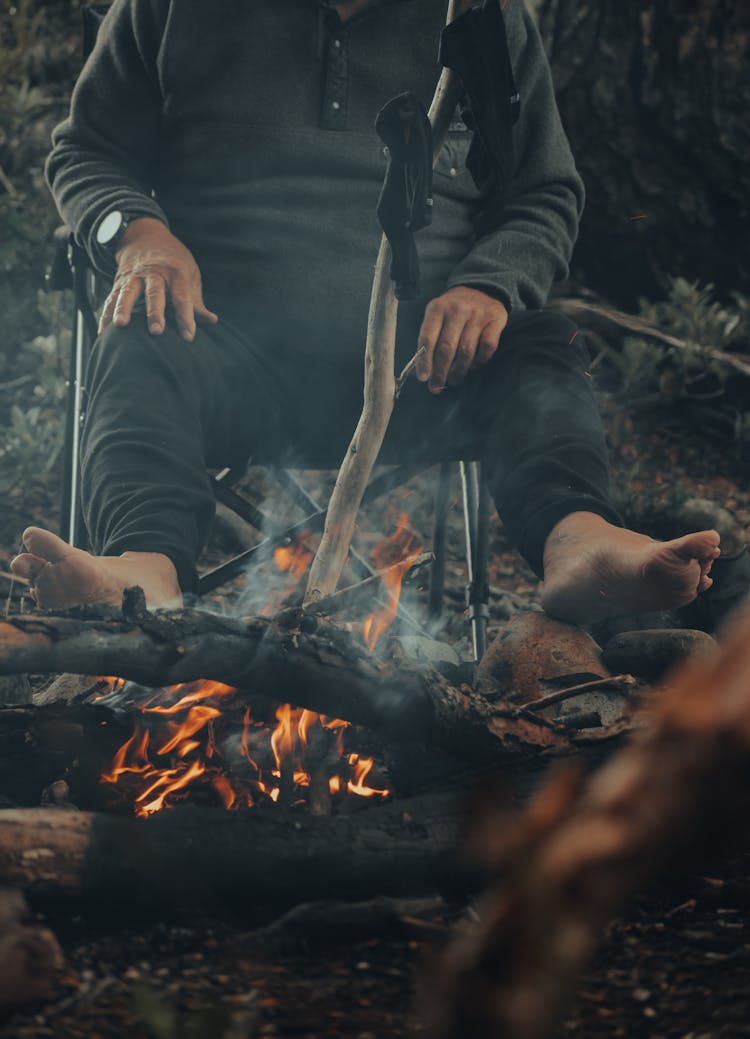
{"type": "Point", "coordinates": [594, 570]}
{"type": "Point", "coordinates": [61, 576]}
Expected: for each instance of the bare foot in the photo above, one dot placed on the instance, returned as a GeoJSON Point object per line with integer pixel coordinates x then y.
{"type": "Point", "coordinates": [63, 576]}
{"type": "Point", "coordinates": [593, 569]}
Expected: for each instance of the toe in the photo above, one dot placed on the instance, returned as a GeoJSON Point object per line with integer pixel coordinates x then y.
{"type": "Point", "coordinates": [28, 566]}
{"type": "Point", "coordinates": [703, 545]}
{"type": "Point", "coordinates": [46, 544]}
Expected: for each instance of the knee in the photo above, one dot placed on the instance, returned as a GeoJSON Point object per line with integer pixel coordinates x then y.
{"type": "Point", "coordinates": [549, 337]}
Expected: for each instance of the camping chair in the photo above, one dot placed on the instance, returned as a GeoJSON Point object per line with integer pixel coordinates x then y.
{"type": "Point", "coordinates": [70, 269]}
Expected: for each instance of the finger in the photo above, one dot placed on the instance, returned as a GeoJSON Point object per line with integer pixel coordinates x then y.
{"type": "Point", "coordinates": [202, 313]}
{"type": "Point", "coordinates": [465, 354]}
{"type": "Point", "coordinates": [127, 297]}
{"type": "Point", "coordinates": [182, 300]}
{"type": "Point", "coordinates": [156, 301]}
{"type": "Point", "coordinates": [489, 341]}
{"type": "Point", "coordinates": [428, 335]}
{"type": "Point", "coordinates": [445, 352]}
{"type": "Point", "coordinates": [107, 311]}
{"type": "Point", "coordinates": [705, 583]}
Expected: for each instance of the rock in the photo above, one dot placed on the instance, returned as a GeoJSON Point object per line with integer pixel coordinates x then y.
{"type": "Point", "coordinates": [533, 655]}
{"type": "Point", "coordinates": [421, 650]}
{"type": "Point", "coordinates": [30, 956]}
{"type": "Point", "coordinates": [649, 654]}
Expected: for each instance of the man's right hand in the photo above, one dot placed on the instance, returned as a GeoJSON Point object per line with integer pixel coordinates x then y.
{"type": "Point", "coordinates": [151, 262]}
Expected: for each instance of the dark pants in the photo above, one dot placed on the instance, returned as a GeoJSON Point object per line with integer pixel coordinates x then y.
{"type": "Point", "coordinates": [161, 411]}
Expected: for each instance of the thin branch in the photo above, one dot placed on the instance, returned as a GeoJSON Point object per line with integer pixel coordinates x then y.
{"type": "Point", "coordinates": [575, 690]}
{"type": "Point", "coordinates": [340, 599]}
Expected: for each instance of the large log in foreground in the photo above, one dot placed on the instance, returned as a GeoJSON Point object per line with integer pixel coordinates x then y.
{"type": "Point", "coordinates": [675, 796]}
{"type": "Point", "coordinates": [227, 861]}
{"type": "Point", "coordinates": [295, 659]}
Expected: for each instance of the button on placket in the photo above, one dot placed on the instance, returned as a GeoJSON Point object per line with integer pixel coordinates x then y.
{"type": "Point", "coordinates": [336, 85]}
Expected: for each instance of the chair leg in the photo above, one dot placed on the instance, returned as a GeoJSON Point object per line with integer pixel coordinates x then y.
{"type": "Point", "coordinates": [437, 570]}
{"type": "Point", "coordinates": [476, 523]}
{"type": "Point", "coordinates": [72, 527]}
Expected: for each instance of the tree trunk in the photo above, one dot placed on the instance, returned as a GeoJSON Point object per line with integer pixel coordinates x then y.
{"type": "Point", "coordinates": [654, 98]}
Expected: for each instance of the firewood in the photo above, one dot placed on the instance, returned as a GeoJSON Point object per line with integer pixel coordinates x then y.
{"type": "Point", "coordinates": [315, 665]}
{"type": "Point", "coordinates": [232, 862]}
{"type": "Point", "coordinates": [677, 793]}
{"type": "Point", "coordinates": [380, 380]}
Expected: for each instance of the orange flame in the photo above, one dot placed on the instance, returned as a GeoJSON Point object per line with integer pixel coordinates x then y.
{"type": "Point", "coordinates": [294, 559]}
{"type": "Point", "coordinates": [393, 557]}
{"type": "Point", "coordinates": [189, 742]}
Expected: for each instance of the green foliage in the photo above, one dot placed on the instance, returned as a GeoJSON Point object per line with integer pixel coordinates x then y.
{"type": "Point", "coordinates": [32, 435]}
{"type": "Point", "coordinates": [698, 368]}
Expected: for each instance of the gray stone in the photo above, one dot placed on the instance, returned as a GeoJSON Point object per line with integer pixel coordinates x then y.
{"type": "Point", "coordinates": [651, 653]}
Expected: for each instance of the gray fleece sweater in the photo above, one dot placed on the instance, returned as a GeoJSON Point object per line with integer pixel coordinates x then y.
{"type": "Point", "coordinates": [248, 129]}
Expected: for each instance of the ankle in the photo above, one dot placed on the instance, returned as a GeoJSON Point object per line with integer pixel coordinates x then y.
{"type": "Point", "coordinates": [575, 527]}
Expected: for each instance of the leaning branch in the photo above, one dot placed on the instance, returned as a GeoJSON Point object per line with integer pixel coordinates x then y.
{"type": "Point", "coordinates": [380, 383]}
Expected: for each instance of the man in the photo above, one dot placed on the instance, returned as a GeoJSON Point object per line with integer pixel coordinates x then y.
{"type": "Point", "coordinates": [220, 161]}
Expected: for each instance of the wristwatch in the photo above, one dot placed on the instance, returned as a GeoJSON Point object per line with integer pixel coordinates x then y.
{"type": "Point", "coordinates": [111, 229]}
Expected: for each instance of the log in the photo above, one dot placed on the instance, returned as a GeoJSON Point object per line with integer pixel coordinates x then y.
{"type": "Point", "coordinates": [380, 380]}
{"type": "Point", "coordinates": [295, 659]}
{"type": "Point", "coordinates": [190, 858]}
{"type": "Point", "coordinates": [678, 793]}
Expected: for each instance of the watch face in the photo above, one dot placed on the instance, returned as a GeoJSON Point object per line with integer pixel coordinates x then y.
{"type": "Point", "coordinates": [109, 227]}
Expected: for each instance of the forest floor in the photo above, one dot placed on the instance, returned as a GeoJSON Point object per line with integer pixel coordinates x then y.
{"type": "Point", "coordinates": [674, 967]}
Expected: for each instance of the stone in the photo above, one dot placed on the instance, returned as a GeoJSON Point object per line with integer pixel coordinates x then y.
{"type": "Point", "coordinates": [651, 653]}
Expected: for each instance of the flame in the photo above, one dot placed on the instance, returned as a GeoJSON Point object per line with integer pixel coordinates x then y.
{"type": "Point", "coordinates": [393, 557]}
{"type": "Point", "coordinates": [181, 734]}
{"type": "Point", "coordinates": [362, 768]}
{"type": "Point", "coordinates": [294, 559]}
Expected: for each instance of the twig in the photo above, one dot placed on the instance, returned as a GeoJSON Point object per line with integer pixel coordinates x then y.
{"type": "Point", "coordinates": [579, 310]}
{"type": "Point", "coordinates": [13, 578]}
{"type": "Point", "coordinates": [408, 369]}
{"type": "Point", "coordinates": [380, 381]}
{"type": "Point", "coordinates": [15, 384]}
{"type": "Point", "coordinates": [338, 600]}
{"type": "Point", "coordinates": [575, 690]}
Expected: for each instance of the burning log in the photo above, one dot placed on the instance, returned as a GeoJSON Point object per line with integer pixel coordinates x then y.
{"type": "Point", "coordinates": [677, 793]}
{"type": "Point", "coordinates": [293, 659]}
{"type": "Point", "coordinates": [224, 861]}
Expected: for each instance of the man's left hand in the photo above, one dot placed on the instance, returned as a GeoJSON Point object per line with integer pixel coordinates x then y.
{"type": "Point", "coordinates": [461, 328]}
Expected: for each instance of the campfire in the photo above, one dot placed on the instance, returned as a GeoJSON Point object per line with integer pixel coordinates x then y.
{"type": "Point", "coordinates": [184, 744]}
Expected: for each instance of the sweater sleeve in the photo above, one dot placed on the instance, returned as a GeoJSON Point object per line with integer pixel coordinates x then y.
{"type": "Point", "coordinates": [519, 259]}
{"type": "Point", "coordinates": [105, 153]}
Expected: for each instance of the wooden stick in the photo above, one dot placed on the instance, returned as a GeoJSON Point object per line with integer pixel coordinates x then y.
{"type": "Point", "coordinates": [380, 382]}
{"type": "Point", "coordinates": [576, 690]}
{"type": "Point", "coordinates": [594, 313]}
{"type": "Point", "coordinates": [340, 599]}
